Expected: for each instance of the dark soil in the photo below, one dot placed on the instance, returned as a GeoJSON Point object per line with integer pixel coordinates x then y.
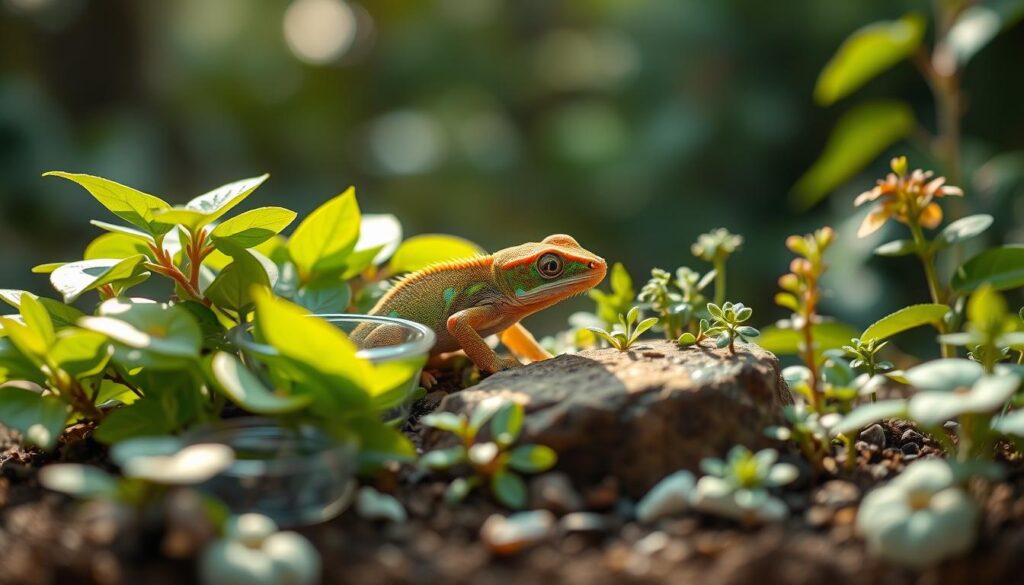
{"type": "Point", "coordinates": [46, 538]}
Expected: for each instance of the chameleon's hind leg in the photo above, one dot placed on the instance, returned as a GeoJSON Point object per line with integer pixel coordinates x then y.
{"type": "Point", "coordinates": [522, 343]}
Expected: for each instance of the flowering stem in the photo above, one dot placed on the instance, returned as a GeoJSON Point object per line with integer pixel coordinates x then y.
{"type": "Point", "coordinates": [928, 262]}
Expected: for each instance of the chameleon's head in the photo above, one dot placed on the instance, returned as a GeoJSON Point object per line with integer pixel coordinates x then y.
{"type": "Point", "coordinates": [540, 274]}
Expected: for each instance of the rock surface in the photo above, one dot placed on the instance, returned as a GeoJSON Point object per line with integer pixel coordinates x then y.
{"type": "Point", "coordinates": [637, 415]}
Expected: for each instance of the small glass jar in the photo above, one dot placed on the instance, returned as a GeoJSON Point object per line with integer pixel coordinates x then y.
{"type": "Point", "coordinates": [412, 345]}
{"type": "Point", "coordinates": [296, 476]}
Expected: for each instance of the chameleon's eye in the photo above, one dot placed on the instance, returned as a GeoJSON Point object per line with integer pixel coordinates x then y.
{"type": "Point", "coordinates": [550, 266]}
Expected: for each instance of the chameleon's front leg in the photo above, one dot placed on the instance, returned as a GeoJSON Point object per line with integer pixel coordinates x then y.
{"type": "Point", "coordinates": [464, 325]}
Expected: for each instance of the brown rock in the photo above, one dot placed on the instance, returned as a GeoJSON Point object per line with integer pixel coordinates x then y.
{"type": "Point", "coordinates": [641, 414]}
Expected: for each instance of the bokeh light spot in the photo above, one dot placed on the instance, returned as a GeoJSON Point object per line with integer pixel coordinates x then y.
{"type": "Point", "coordinates": [319, 31]}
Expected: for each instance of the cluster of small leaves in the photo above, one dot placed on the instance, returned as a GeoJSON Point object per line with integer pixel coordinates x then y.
{"type": "Point", "coordinates": [495, 462]}
{"type": "Point", "coordinates": [628, 330]}
{"type": "Point", "coordinates": [677, 301]}
{"type": "Point", "coordinates": [715, 247]}
{"type": "Point", "coordinates": [726, 326]}
{"type": "Point", "coordinates": [992, 331]}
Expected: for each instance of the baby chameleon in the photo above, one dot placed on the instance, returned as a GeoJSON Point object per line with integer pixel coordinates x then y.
{"type": "Point", "coordinates": [464, 301]}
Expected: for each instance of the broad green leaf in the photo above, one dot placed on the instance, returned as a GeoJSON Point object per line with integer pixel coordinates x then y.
{"type": "Point", "coordinates": [860, 136]}
{"type": "Point", "coordinates": [15, 365]}
{"type": "Point", "coordinates": [234, 287]}
{"type": "Point", "coordinates": [869, 414]}
{"type": "Point", "coordinates": [977, 25]}
{"type": "Point", "coordinates": [81, 353]}
{"type": "Point", "coordinates": [76, 278]}
{"type": "Point", "coordinates": [962, 229]}
{"type": "Point", "coordinates": [114, 245]}
{"type": "Point", "coordinates": [123, 230]}
{"type": "Point", "coordinates": [897, 248]}
{"type": "Point", "coordinates": [507, 423]}
{"type": "Point", "coordinates": [829, 335]}
{"type": "Point", "coordinates": [381, 232]}
{"type": "Point", "coordinates": [380, 443]}
{"type": "Point", "coordinates": [47, 267]}
{"type": "Point", "coordinates": [77, 480]}
{"type": "Point", "coordinates": [446, 421]}
{"type": "Point", "coordinates": [866, 53]}
{"type": "Point", "coordinates": [150, 327]}
{"type": "Point", "coordinates": [1002, 268]}
{"type": "Point", "coordinates": [12, 296]}
{"type": "Point", "coordinates": [421, 251]}
{"type": "Point", "coordinates": [38, 320]}
{"type": "Point", "coordinates": [323, 298]}
{"type": "Point", "coordinates": [214, 204]}
{"type": "Point", "coordinates": [253, 227]}
{"type": "Point", "coordinates": [904, 319]}
{"type": "Point", "coordinates": [358, 261]}
{"type": "Point", "coordinates": [236, 382]}
{"type": "Point", "coordinates": [320, 348]}
{"type": "Point", "coordinates": [145, 417]}
{"type": "Point", "coordinates": [443, 458]}
{"type": "Point", "coordinates": [326, 237]}
{"type": "Point", "coordinates": [532, 458]}
{"type": "Point", "coordinates": [509, 489]}
{"type": "Point", "coordinates": [190, 219]}
{"type": "Point", "coordinates": [28, 341]}
{"type": "Point", "coordinates": [62, 315]}
{"type": "Point", "coordinates": [40, 419]}
{"type": "Point", "coordinates": [114, 394]}
{"type": "Point", "coordinates": [135, 207]}
{"type": "Point", "coordinates": [986, 308]}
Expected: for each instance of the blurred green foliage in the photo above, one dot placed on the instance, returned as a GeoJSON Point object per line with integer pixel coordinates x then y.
{"type": "Point", "coordinates": [634, 125]}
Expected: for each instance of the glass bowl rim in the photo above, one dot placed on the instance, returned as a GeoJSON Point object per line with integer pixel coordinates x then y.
{"type": "Point", "coordinates": [419, 346]}
{"type": "Point", "coordinates": [214, 432]}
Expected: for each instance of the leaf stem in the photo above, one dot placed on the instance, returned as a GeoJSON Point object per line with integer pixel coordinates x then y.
{"type": "Point", "coordinates": [719, 266]}
{"type": "Point", "coordinates": [934, 288]}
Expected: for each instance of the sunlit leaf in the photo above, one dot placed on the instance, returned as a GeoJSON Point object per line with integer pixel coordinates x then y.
{"type": "Point", "coordinates": [114, 245]}
{"type": "Point", "coordinates": [253, 227]}
{"type": "Point", "coordinates": [962, 229]}
{"type": "Point", "coordinates": [421, 251]}
{"type": "Point", "coordinates": [381, 232]}
{"type": "Point", "coordinates": [507, 423]}
{"type": "Point", "coordinates": [509, 489]}
{"type": "Point", "coordinates": [897, 248]}
{"type": "Point", "coordinates": [326, 237]}
{"type": "Point", "coordinates": [131, 205]}
{"type": "Point", "coordinates": [80, 353]}
{"type": "Point", "coordinates": [234, 287]}
{"type": "Point", "coordinates": [532, 458]}
{"type": "Point", "coordinates": [829, 335]}
{"type": "Point", "coordinates": [860, 136]}
{"type": "Point", "coordinates": [240, 385]}
{"type": "Point", "coordinates": [150, 327]}
{"type": "Point", "coordinates": [80, 481]}
{"type": "Point", "coordinates": [904, 319]}
{"type": "Point", "coordinates": [866, 53]}
{"type": "Point", "coordinates": [40, 419]}
{"type": "Point", "coordinates": [75, 278]}
{"type": "Point", "coordinates": [977, 25]}
{"type": "Point", "coordinates": [1002, 268]}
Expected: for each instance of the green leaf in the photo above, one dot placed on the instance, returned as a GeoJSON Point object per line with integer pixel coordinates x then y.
{"type": "Point", "coordinates": [319, 348]}
{"type": "Point", "coordinates": [904, 319]}
{"type": "Point", "coordinates": [866, 53]}
{"type": "Point", "coordinates": [446, 421]}
{"type": "Point", "coordinates": [418, 252]}
{"type": "Point", "coordinates": [324, 298]}
{"type": "Point", "coordinates": [73, 279]}
{"type": "Point", "coordinates": [977, 25]}
{"type": "Point", "coordinates": [149, 327]}
{"type": "Point", "coordinates": [962, 229]}
{"type": "Point", "coordinates": [483, 413]}
{"type": "Point", "coordinates": [253, 227]}
{"type": "Point", "coordinates": [123, 230]}
{"type": "Point", "coordinates": [509, 489]}
{"type": "Point", "coordinates": [380, 443]}
{"type": "Point", "coordinates": [643, 326]}
{"type": "Point", "coordinates": [114, 245]}
{"type": "Point", "coordinates": [897, 248]}
{"type": "Point", "coordinates": [38, 320]}
{"type": "Point", "coordinates": [47, 267]}
{"type": "Point", "coordinates": [326, 237]}
{"type": "Point", "coordinates": [40, 419]}
{"type": "Point", "coordinates": [869, 414]}
{"type": "Point", "coordinates": [214, 204]}
{"type": "Point", "coordinates": [135, 207]}
{"type": "Point", "coordinates": [507, 423]}
{"type": "Point", "coordinates": [145, 417]}
{"type": "Point", "coordinates": [459, 488]}
{"type": "Point", "coordinates": [532, 458]}
{"type": "Point", "coordinates": [1002, 268]}
{"type": "Point", "coordinates": [27, 340]}
{"type": "Point", "coordinates": [15, 365]}
{"type": "Point", "coordinates": [987, 309]}
{"type": "Point", "coordinates": [444, 458]}
{"type": "Point", "coordinates": [828, 335]}
{"type": "Point", "coordinates": [860, 136]}
{"type": "Point", "coordinates": [80, 353]}
{"type": "Point", "coordinates": [242, 387]}
{"type": "Point", "coordinates": [234, 287]}
{"type": "Point", "coordinates": [79, 481]}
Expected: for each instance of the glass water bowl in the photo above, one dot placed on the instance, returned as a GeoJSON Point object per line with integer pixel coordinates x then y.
{"type": "Point", "coordinates": [296, 476]}
{"type": "Point", "coordinates": [412, 345]}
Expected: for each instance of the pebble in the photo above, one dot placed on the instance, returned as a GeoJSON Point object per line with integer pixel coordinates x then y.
{"type": "Point", "coordinates": [603, 495]}
{"type": "Point", "coordinates": [374, 505]}
{"type": "Point", "coordinates": [910, 449]}
{"type": "Point", "coordinates": [509, 535]}
{"type": "Point", "coordinates": [836, 494]}
{"type": "Point", "coordinates": [670, 496]}
{"type": "Point", "coordinates": [554, 491]}
{"type": "Point", "coordinates": [911, 436]}
{"type": "Point", "coordinates": [584, 522]}
{"type": "Point", "coordinates": [652, 543]}
{"type": "Point", "coordinates": [874, 435]}
{"type": "Point", "coordinates": [818, 516]}
{"type": "Point", "coordinates": [951, 425]}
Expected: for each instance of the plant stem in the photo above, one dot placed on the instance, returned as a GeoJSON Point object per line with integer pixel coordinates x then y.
{"type": "Point", "coordinates": [934, 288]}
{"type": "Point", "coordinates": [719, 265]}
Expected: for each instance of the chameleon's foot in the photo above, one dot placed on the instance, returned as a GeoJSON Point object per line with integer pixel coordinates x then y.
{"type": "Point", "coordinates": [427, 379]}
{"type": "Point", "coordinates": [503, 364]}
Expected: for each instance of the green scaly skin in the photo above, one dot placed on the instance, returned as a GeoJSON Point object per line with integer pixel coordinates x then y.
{"type": "Point", "coordinates": [464, 301]}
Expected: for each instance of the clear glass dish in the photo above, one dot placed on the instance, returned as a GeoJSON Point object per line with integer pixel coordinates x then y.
{"type": "Point", "coordinates": [296, 476]}
{"type": "Point", "coordinates": [413, 345]}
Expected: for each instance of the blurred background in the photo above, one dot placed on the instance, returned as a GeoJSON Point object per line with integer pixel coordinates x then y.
{"type": "Point", "coordinates": [634, 125]}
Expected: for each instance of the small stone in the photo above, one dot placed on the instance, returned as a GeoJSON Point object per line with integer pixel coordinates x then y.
{"type": "Point", "coordinates": [509, 535]}
{"type": "Point", "coordinates": [911, 436]}
{"type": "Point", "coordinates": [879, 471]}
{"type": "Point", "coordinates": [951, 426]}
{"type": "Point", "coordinates": [670, 496]}
{"type": "Point", "coordinates": [584, 522]}
{"type": "Point", "coordinates": [874, 435]}
{"type": "Point", "coordinates": [374, 505]}
{"type": "Point", "coordinates": [837, 494]}
{"type": "Point", "coordinates": [910, 449]}
{"type": "Point", "coordinates": [818, 516]}
{"type": "Point", "coordinates": [652, 543]}
{"type": "Point", "coordinates": [604, 495]}
{"type": "Point", "coordinates": [554, 491]}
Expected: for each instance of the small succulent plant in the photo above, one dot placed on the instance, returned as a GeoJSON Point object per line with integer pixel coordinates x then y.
{"type": "Point", "coordinates": [864, 354]}
{"type": "Point", "coordinates": [726, 327]}
{"type": "Point", "coordinates": [676, 301]}
{"type": "Point", "coordinates": [629, 330]}
{"type": "Point", "coordinates": [715, 247]}
{"type": "Point", "coordinates": [919, 518]}
{"type": "Point", "coordinates": [738, 486]}
{"type": "Point", "coordinates": [495, 462]}
{"type": "Point", "coordinates": [254, 552]}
